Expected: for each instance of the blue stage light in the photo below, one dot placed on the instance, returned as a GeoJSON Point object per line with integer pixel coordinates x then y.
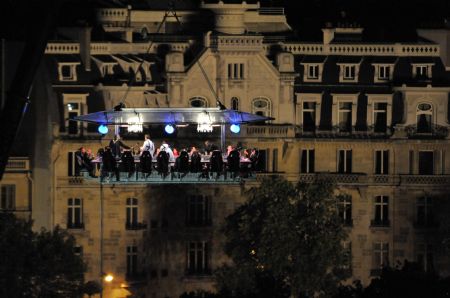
{"type": "Point", "coordinates": [169, 129]}
{"type": "Point", "coordinates": [235, 128]}
{"type": "Point", "coordinates": [103, 129]}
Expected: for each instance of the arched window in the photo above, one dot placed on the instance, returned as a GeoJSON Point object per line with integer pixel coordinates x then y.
{"type": "Point", "coordinates": [424, 114]}
{"type": "Point", "coordinates": [261, 106]}
{"type": "Point", "coordinates": [235, 103]}
{"type": "Point", "coordinates": [198, 102]}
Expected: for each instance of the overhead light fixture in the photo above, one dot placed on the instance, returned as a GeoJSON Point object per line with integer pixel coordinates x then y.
{"type": "Point", "coordinates": [235, 128]}
{"type": "Point", "coordinates": [135, 125]}
{"type": "Point", "coordinates": [169, 129]}
{"type": "Point", "coordinates": [204, 122]}
{"type": "Point", "coordinates": [103, 129]}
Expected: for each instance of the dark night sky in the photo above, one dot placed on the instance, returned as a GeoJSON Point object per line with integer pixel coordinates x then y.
{"type": "Point", "coordinates": [383, 19]}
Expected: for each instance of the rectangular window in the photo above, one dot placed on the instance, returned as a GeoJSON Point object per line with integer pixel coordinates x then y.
{"type": "Point", "coordinates": [73, 110]}
{"type": "Point", "coordinates": [307, 161]}
{"type": "Point", "coordinates": [426, 162]}
{"type": "Point", "coordinates": [344, 161]}
{"type": "Point", "coordinates": [132, 261]}
{"type": "Point", "coordinates": [345, 209]}
{"type": "Point", "coordinates": [411, 162]}
{"type": "Point", "coordinates": [197, 258]}
{"type": "Point", "coordinates": [236, 71]}
{"type": "Point", "coordinates": [345, 116]}
{"type": "Point", "coordinates": [275, 160]}
{"type": "Point", "coordinates": [198, 211]}
{"type": "Point", "coordinates": [382, 162]}
{"type": "Point", "coordinates": [349, 72]}
{"type": "Point", "coordinates": [425, 257]}
{"type": "Point", "coordinates": [309, 116]}
{"type": "Point", "coordinates": [132, 214]}
{"type": "Point", "coordinates": [380, 255]}
{"type": "Point", "coordinates": [8, 197]}
{"type": "Point", "coordinates": [313, 72]}
{"type": "Point", "coordinates": [75, 214]}
{"type": "Point", "coordinates": [421, 71]}
{"type": "Point", "coordinates": [78, 250]}
{"type": "Point", "coordinates": [380, 117]}
{"type": "Point", "coordinates": [381, 216]}
{"type": "Point", "coordinates": [384, 72]}
{"type": "Point", "coordinates": [347, 249]}
{"type": "Point", "coordinates": [424, 212]}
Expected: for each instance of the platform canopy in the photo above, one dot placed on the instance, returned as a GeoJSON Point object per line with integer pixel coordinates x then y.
{"type": "Point", "coordinates": [129, 116]}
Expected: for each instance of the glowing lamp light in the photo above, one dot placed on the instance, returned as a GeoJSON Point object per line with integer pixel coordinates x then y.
{"type": "Point", "coordinates": [169, 129]}
{"type": "Point", "coordinates": [108, 277]}
{"type": "Point", "coordinates": [103, 129]}
{"type": "Point", "coordinates": [135, 125]}
{"type": "Point", "coordinates": [235, 128]}
{"type": "Point", "coordinates": [204, 123]}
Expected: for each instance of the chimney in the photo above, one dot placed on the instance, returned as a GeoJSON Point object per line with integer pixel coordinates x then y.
{"type": "Point", "coordinates": [85, 46]}
{"type": "Point", "coordinates": [328, 33]}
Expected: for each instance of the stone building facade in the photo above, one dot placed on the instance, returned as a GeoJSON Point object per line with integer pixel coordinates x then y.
{"type": "Point", "coordinates": [374, 117]}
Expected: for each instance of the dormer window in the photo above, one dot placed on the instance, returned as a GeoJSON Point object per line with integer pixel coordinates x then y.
{"type": "Point", "coordinates": [349, 69]}
{"type": "Point", "coordinates": [422, 71]}
{"type": "Point", "coordinates": [349, 72]}
{"type": "Point", "coordinates": [383, 72]}
{"type": "Point", "coordinates": [312, 71]}
{"type": "Point", "coordinates": [67, 71]}
{"type": "Point", "coordinates": [107, 69]}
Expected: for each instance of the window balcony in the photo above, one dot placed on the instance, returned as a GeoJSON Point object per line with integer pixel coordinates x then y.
{"type": "Point", "coordinates": [75, 226]}
{"type": "Point", "coordinates": [135, 226]}
{"type": "Point", "coordinates": [432, 131]}
{"type": "Point", "coordinates": [338, 178]}
{"type": "Point", "coordinates": [425, 179]}
{"type": "Point", "coordinates": [379, 223]}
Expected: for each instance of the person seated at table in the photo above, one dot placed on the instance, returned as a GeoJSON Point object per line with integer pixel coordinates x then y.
{"type": "Point", "coordinates": [83, 162]}
{"type": "Point", "coordinates": [209, 147]}
{"type": "Point", "coordinates": [109, 164]}
{"type": "Point", "coordinates": [196, 161]}
{"type": "Point", "coordinates": [148, 145]}
{"type": "Point", "coordinates": [233, 161]}
{"type": "Point", "coordinates": [163, 159]}
{"type": "Point", "coordinates": [182, 163]}
{"type": "Point", "coordinates": [229, 149]}
{"type": "Point", "coordinates": [216, 162]}
{"type": "Point", "coordinates": [145, 162]}
{"type": "Point", "coordinates": [175, 152]}
{"type": "Point", "coordinates": [165, 147]}
{"type": "Point", "coordinates": [128, 162]}
{"type": "Point", "coordinates": [254, 159]}
{"type": "Point", "coordinates": [116, 146]}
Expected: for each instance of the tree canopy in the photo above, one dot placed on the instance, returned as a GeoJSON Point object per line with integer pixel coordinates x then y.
{"type": "Point", "coordinates": [40, 264]}
{"type": "Point", "coordinates": [286, 235]}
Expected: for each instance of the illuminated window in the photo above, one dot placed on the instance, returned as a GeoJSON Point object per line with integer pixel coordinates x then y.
{"type": "Point", "coordinates": [74, 105]}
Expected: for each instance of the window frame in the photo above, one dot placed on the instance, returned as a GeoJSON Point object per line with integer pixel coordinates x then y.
{"type": "Point", "coordinates": [428, 67]}
{"type": "Point", "coordinates": [198, 210]}
{"type": "Point", "coordinates": [307, 165]}
{"type": "Point", "coordinates": [347, 162]}
{"type": "Point", "coordinates": [380, 256]}
{"type": "Point", "coordinates": [8, 197]}
{"type": "Point", "coordinates": [267, 108]}
{"type": "Point", "coordinates": [132, 213]}
{"type": "Point", "coordinates": [132, 260]}
{"type": "Point", "coordinates": [381, 211]}
{"type": "Point", "coordinates": [72, 209]}
{"type": "Point", "coordinates": [345, 209]}
{"type": "Point", "coordinates": [198, 249]}
{"type": "Point", "coordinates": [236, 71]}
{"type": "Point", "coordinates": [72, 69]}
{"type": "Point", "coordinates": [200, 99]}
{"type": "Point", "coordinates": [388, 75]}
{"type": "Point", "coordinates": [384, 168]}
{"type": "Point", "coordinates": [75, 98]}
{"type": "Point", "coordinates": [349, 72]}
